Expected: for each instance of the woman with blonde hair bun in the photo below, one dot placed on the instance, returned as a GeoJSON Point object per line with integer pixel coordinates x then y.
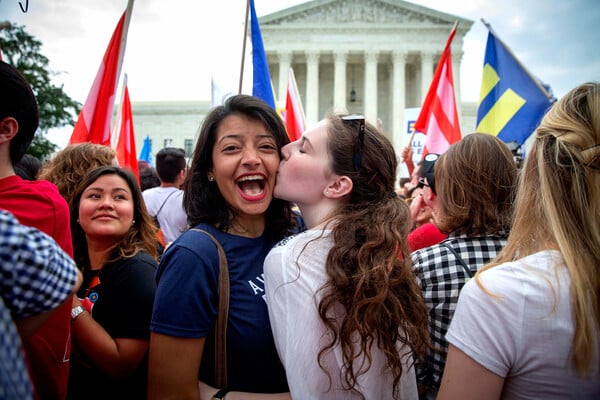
{"type": "Point", "coordinates": [527, 326]}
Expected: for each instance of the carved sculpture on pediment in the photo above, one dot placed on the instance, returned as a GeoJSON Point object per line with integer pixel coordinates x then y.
{"type": "Point", "coordinates": [357, 11]}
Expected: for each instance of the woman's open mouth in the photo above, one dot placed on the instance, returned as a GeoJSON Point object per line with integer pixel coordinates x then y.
{"type": "Point", "coordinates": [252, 187]}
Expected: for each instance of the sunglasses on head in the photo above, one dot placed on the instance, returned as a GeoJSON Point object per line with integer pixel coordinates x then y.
{"type": "Point", "coordinates": [360, 141]}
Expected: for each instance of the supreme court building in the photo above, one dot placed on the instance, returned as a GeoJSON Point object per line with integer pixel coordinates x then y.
{"type": "Point", "coordinates": [371, 57]}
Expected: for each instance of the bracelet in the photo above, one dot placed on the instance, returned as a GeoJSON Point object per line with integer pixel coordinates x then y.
{"type": "Point", "coordinates": [76, 312]}
{"type": "Point", "coordinates": [220, 395]}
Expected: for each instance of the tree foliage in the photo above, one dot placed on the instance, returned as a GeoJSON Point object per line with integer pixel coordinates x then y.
{"type": "Point", "coordinates": [57, 109]}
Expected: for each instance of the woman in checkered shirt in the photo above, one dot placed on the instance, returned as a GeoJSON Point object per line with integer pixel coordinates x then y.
{"type": "Point", "coordinates": [470, 190]}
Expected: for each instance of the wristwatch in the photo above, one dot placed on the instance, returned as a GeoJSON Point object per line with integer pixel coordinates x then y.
{"type": "Point", "coordinates": [220, 395]}
{"type": "Point", "coordinates": [76, 311]}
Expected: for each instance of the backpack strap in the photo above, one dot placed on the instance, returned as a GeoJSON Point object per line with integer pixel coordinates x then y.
{"type": "Point", "coordinates": [458, 258]}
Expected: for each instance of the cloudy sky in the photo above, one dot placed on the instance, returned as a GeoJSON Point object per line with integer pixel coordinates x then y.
{"type": "Point", "coordinates": [174, 47]}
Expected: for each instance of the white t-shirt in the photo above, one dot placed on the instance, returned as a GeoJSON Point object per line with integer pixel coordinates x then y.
{"type": "Point", "coordinates": [524, 333]}
{"type": "Point", "coordinates": [294, 272]}
{"type": "Point", "coordinates": [172, 217]}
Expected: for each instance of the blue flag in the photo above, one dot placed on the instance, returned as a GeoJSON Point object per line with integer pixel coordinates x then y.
{"type": "Point", "coordinates": [261, 80]}
{"type": "Point", "coordinates": [512, 102]}
{"type": "Point", "coordinates": [146, 153]}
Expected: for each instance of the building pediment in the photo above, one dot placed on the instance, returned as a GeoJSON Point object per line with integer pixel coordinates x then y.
{"type": "Point", "coordinates": [359, 12]}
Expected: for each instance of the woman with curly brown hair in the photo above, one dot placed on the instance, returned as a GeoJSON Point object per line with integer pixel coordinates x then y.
{"type": "Point", "coordinates": [346, 312]}
{"type": "Point", "coordinates": [70, 164]}
{"type": "Point", "coordinates": [115, 248]}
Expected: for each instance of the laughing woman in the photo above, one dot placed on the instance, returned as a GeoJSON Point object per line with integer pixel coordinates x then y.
{"type": "Point", "coordinates": [114, 245]}
{"type": "Point", "coordinates": [229, 194]}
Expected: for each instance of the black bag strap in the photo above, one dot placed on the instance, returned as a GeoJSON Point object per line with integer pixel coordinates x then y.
{"type": "Point", "coordinates": [458, 258]}
{"type": "Point", "coordinates": [222, 316]}
{"type": "Point", "coordinates": [162, 205]}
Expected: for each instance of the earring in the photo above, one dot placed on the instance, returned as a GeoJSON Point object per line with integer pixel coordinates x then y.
{"type": "Point", "coordinates": [78, 221]}
{"type": "Point", "coordinates": [133, 222]}
{"type": "Point", "coordinates": [211, 178]}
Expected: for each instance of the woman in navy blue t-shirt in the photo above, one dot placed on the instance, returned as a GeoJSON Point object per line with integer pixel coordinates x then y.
{"type": "Point", "coordinates": [228, 193]}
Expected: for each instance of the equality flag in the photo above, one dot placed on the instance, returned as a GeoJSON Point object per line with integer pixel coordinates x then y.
{"type": "Point", "coordinates": [125, 142]}
{"type": "Point", "coordinates": [146, 153]}
{"type": "Point", "coordinates": [93, 124]}
{"type": "Point", "coordinates": [438, 118]}
{"type": "Point", "coordinates": [261, 78]}
{"type": "Point", "coordinates": [512, 102]}
{"type": "Point", "coordinates": [294, 113]}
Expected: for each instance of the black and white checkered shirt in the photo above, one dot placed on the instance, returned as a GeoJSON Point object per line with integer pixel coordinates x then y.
{"type": "Point", "coordinates": [441, 277]}
{"type": "Point", "coordinates": [36, 275]}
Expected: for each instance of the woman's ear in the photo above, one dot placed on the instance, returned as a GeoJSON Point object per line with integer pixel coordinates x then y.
{"type": "Point", "coordinates": [340, 187]}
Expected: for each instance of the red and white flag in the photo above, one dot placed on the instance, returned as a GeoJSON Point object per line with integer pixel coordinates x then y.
{"type": "Point", "coordinates": [438, 119]}
{"type": "Point", "coordinates": [294, 113]}
{"type": "Point", "coordinates": [93, 124]}
{"type": "Point", "coordinates": [125, 135]}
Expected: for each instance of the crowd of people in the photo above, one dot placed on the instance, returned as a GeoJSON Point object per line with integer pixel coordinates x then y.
{"type": "Point", "coordinates": [270, 269]}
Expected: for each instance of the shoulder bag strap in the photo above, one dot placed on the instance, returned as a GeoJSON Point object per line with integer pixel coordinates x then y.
{"type": "Point", "coordinates": [163, 204]}
{"type": "Point", "coordinates": [222, 316]}
{"type": "Point", "coordinates": [458, 258]}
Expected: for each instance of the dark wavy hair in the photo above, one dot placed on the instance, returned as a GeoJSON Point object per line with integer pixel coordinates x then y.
{"type": "Point", "coordinates": [369, 268]}
{"type": "Point", "coordinates": [202, 199]}
{"type": "Point", "coordinates": [18, 101]}
{"type": "Point", "coordinates": [475, 183]}
{"type": "Point", "coordinates": [140, 237]}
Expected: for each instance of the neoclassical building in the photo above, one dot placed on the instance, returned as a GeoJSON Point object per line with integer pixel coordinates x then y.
{"type": "Point", "coordinates": [371, 57]}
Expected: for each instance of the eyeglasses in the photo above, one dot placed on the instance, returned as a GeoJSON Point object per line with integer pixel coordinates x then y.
{"type": "Point", "coordinates": [360, 143]}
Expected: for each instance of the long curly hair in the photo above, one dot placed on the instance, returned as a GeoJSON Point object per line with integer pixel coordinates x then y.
{"type": "Point", "coordinates": [369, 268]}
{"type": "Point", "coordinates": [70, 164]}
{"type": "Point", "coordinates": [140, 237]}
{"type": "Point", "coordinates": [202, 199]}
{"type": "Point", "coordinates": [558, 205]}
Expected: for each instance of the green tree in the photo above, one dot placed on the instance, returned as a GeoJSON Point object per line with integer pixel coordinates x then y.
{"type": "Point", "coordinates": [57, 109]}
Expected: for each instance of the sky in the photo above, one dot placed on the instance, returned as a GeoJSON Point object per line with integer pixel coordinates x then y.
{"type": "Point", "coordinates": [175, 47]}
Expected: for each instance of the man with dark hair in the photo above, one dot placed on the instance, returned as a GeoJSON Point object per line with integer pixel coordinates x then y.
{"type": "Point", "coordinates": [165, 202]}
{"type": "Point", "coordinates": [37, 204]}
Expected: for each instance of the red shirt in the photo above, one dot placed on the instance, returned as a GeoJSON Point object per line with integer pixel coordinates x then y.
{"type": "Point", "coordinates": [424, 236]}
{"type": "Point", "coordinates": [40, 205]}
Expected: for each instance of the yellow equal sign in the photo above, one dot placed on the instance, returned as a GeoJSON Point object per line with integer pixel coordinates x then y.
{"type": "Point", "coordinates": [505, 107]}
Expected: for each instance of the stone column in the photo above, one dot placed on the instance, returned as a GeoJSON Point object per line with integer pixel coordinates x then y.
{"type": "Point", "coordinates": [285, 61]}
{"type": "Point", "coordinates": [370, 104]}
{"type": "Point", "coordinates": [339, 80]}
{"type": "Point", "coordinates": [398, 98]}
{"type": "Point", "coordinates": [311, 101]}
{"type": "Point", "coordinates": [426, 74]}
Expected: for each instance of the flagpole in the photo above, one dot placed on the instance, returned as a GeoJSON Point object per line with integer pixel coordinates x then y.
{"type": "Point", "coordinates": [116, 128]}
{"type": "Point", "coordinates": [244, 46]}
{"type": "Point", "coordinates": [509, 51]}
{"type": "Point", "coordinates": [128, 13]}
